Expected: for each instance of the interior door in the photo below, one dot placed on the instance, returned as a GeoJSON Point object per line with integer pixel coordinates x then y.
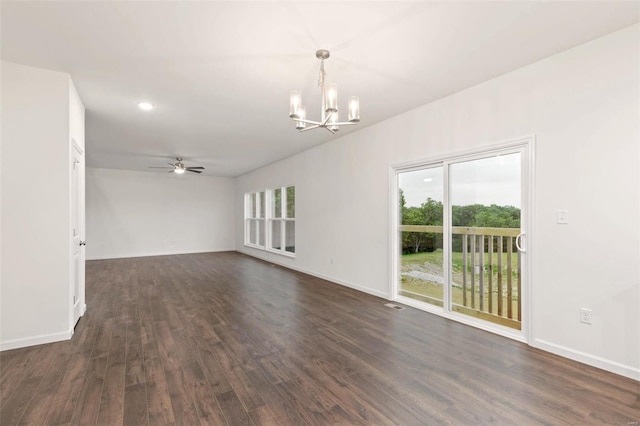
{"type": "Point", "coordinates": [78, 243]}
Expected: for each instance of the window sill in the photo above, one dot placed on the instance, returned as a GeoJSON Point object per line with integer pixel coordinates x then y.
{"type": "Point", "coordinates": [282, 253]}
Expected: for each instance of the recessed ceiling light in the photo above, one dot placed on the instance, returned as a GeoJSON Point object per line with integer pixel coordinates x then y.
{"type": "Point", "coordinates": [146, 106]}
{"type": "Point", "coordinates": [428, 179]}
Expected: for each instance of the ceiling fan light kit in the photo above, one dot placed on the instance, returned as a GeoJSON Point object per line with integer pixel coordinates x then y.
{"type": "Point", "coordinates": [179, 167]}
{"type": "Point", "coordinates": [329, 108]}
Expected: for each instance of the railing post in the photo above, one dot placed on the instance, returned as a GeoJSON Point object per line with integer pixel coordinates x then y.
{"type": "Point", "coordinates": [509, 277]}
{"type": "Point", "coordinates": [490, 250]}
{"type": "Point", "coordinates": [500, 250]}
{"type": "Point", "coordinates": [473, 271]}
{"type": "Point", "coordinates": [464, 269]}
{"type": "Point", "coordinates": [481, 270]}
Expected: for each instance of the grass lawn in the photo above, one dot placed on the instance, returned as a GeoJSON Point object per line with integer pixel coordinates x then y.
{"type": "Point", "coordinates": [435, 257]}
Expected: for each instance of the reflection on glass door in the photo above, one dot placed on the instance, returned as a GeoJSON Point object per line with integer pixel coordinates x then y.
{"type": "Point", "coordinates": [421, 237]}
{"type": "Point", "coordinates": [485, 198]}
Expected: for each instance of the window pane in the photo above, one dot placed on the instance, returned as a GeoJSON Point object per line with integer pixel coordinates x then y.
{"type": "Point", "coordinates": [252, 205]}
{"type": "Point", "coordinates": [290, 236]}
{"type": "Point", "coordinates": [291, 201]}
{"type": "Point", "coordinates": [276, 236]}
{"type": "Point", "coordinates": [261, 232]}
{"type": "Point", "coordinates": [485, 194]}
{"type": "Point", "coordinates": [421, 268]}
{"type": "Point", "coordinates": [252, 231]}
{"type": "Point", "coordinates": [276, 205]}
{"type": "Point", "coordinates": [262, 204]}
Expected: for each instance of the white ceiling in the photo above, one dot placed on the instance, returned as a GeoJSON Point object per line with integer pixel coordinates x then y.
{"type": "Point", "coordinates": [220, 72]}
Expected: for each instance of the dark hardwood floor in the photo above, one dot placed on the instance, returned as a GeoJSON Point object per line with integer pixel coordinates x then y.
{"type": "Point", "coordinates": [222, 338]}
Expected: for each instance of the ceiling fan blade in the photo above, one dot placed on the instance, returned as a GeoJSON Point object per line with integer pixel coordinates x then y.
{"type": "Point", "coordinates": [195, 168]}
{"type": "Point", "coordinates": [172, 165]}
{"type": "Point", "coordinates": [159, 167]}
{"type": "Point", "coordinates": [171, 171]}
{"type": "Point", "coordinates": [194, 171]}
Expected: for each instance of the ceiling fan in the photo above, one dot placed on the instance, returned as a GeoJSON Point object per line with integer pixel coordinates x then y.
{"type": "Point", "coordinates": [179, 167]}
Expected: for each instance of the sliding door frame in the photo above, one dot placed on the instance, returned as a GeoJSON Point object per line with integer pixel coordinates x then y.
{"type": "Point", "coordinates": [526, 145]}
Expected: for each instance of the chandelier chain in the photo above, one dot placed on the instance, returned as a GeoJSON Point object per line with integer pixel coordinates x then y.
{"type": "Point", "coordinates": [321, 74]}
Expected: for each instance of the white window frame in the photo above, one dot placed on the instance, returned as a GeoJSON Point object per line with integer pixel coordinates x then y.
{"type": "Point", "coordinates": [260, 219]}
{"type": "Point", "coordinates": [265, 219]}
{"type": "Point", "coordinates": [283, 221]}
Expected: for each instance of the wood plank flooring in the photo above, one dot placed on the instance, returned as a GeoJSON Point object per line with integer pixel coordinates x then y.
{"type": "Point", "coordinates": [222, 338]}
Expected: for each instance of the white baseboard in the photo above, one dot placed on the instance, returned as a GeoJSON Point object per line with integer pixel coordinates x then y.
{"type": "Point", "coordinates": [585, 358]}
{"type": "Point", "coordinates": [35, 340]}
{"type": "Point", "coordinates": [156, 253]}
{"type": "Point", "coordinates": [354, 286]}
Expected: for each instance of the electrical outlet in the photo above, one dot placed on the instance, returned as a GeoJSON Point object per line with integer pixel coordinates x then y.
{"type": "Point", "coordinates": [585, 315]}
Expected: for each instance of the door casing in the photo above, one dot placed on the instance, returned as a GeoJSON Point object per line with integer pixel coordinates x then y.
{"type": "Point", "coordinates": [77, 208]}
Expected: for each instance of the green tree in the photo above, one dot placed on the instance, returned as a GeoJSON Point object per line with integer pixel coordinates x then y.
{"type": "Point", "coordinates": [432, 212]}
{"type": "Point", "coordinates": [429, 213]}
{"type": "Point", "coordinates": [493, 216]}
{"type": "Point", "coordinates": [291, 201]}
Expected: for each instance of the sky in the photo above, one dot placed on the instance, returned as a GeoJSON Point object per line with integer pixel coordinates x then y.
{"type": "Point", "coordinates": [494, 180]}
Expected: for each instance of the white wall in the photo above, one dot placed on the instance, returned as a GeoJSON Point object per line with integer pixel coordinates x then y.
{"type": "Point", "coordinates": [144, 214]}
{"type": "Point", "coordinates": [583, 107]}
{"type": "Point", "coordinates": [35, 286]}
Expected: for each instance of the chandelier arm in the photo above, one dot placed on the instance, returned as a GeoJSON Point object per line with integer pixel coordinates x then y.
{"type": "Point", "coordinates": [309, 128]}
{"type": "Point", "coordinates": [346, 123]}
{"type": "Point", "coordinates": [303, 120]}
{"type": "Point", "coordinates": [326, 119]}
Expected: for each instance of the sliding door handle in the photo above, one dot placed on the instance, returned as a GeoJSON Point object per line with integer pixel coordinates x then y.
{"type": "Point", "coordinates": [519, 241]}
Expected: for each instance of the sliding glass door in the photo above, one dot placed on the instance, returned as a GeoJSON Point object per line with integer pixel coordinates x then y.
{"type": "Point", "coordinates": [422, 252]}
{"type": "Point", "coordinates": [486, 208]}
{"type": "Point", "coordinates": [461, 236]}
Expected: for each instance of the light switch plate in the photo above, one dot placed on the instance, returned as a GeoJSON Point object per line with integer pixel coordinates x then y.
{"type": "Point", "coordinates": [563, 217]}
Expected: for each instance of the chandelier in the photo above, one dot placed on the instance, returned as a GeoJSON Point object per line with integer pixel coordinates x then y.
{"type": "Point", "coordinates": [329, 108]}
